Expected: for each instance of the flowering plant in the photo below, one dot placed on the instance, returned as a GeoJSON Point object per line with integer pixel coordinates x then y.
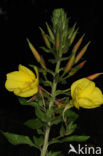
{"type": "Point", "coordinates": [48, 90]}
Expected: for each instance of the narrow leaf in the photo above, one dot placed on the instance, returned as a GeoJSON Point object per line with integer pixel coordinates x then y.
{"type": "Point", "coordinates": [54, 141]}
{"type": "Point", "coordinates": [62, 131]}
{"type": "Point", "coordinates": [45, 49]}
{"type": "Point", "coordinates": [75, 138]}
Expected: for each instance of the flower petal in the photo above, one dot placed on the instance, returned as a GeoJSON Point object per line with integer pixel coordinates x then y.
{"type": "Point", "coordinates": [84, 86]}
{"type": "Point", "coordinates": [97, 96]}
{"type": "Point", "coordinates": [26, 93]}
{"type": "Point", "coordinates": [18, 76]}
{"type": "Point", "coordinates": [12, 84]}
{"type": "Point", "coordinates": [26, 70]}
{"type": "Point", "coordinates": [87, 103]}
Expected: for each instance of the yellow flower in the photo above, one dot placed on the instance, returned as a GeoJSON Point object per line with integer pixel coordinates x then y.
{"type": "Point", "coordinates": [85, 94]}
{"type": "Point", "coordinates": [24, 82]}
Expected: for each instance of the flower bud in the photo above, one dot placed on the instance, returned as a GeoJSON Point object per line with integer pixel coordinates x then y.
{"type": "Point", "coordinates": [93, 76]}
{"type": "Point", "coordinates": [42, 62]}
{"type": "Point", "coordinates": [82, 52]}
{"type": "Point", "coordinates": [50, 32]}
{"type": "Point", "coordinates": [71, 31]}
{"type": "Point", "coordinates": [78, 44]}
{"type": "Point", "coordinates": [45, 38]}
{"type": "Point", "coordinates": [79, 66]}
{"type": "Point", "coordinates": [73, 36]}
{"type": "Point", "coordinates": [57, 45]}
{"type": "Point", "coordinates": [34, 51]}
{"type": "Point", "coordinates": [70, 63]}
{"type": "Point", "coordinates": [36, 54]}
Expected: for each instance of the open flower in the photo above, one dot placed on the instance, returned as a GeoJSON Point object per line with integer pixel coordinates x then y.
{"type": "Point", "coordinates": [24, 82]}
{"type": "Point", "coordinates": [85, 94]}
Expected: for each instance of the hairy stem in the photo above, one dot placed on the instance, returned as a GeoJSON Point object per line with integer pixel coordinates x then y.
{"type": "Point", "coordinates": [45, 146]}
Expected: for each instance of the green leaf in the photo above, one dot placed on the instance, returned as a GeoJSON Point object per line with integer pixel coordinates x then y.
{"type": "Point", "coordinates": [59, 92]}
{"type": "Point", "coordinates": [70, 115]}
{"type": "Point", "coordinates": [56, 153]}
{"type": "Point", "coordinates": [46, 95]}
{"type": "Point", "coordinates": [56, 120]}
{"type": "Point", "coordinates": [16, 139]}
{"type": "Point", "coordinates": [34, 123]}
{"type": "Point", "coordinates": [24, 101]}
{"type": "Point", "coordinates": [63, 81]}
{"type": "Point", "coordinates": [49, 114]}
{"type": "Point", "coordinates": [54, 141]}
{"type": "Point", "coordinates": [53, 61]}
{"type": "Point", "coordinates": [50, 72]}
{"type": "Point", "coordinates": [70, 128]}
{"type": "Point", "coordinates": [45, 49]}
{"type": "Point", "coordinates": [67, 93]}
{"type": "Point", "coordinates": [62, 130]}
{"type": "Point", "coordinates": [38, 140]}
{"type": "Point", "coordinates": [40, 114]}
{"type": "Point", "coordinates": [53, 153]}
{"type": "Point", "coordinates": [31, 65]}
{"type": "Point", "coordinates": [65, 58]}
{"type": "Point", "coordinates": [40, 70]}
{"type": "Point", "coordinates": [75, 138]}
{"type": "Point", "coordinates": [49, 153]}
{"type": "Point", "coordinates": [66, 100]}
{"type": "Point", "coordinates": [39, 131]}
{"type": "Point", "coordinates": [46, 83]}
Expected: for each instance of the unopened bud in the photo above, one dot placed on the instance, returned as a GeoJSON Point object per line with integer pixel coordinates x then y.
{"type": "Point", "coordinates": [73, 36]}
{"type": "Point", "coordinates": [82, 52]}
{"type": "Point", "coordinates": [36, 54]}
{"type": "Point", "coordinates": [34, 51]}
{"type": "Point", "coordinates": [57, 45]}
{"type": "Point", "coordinates": [50, 32]}
{"type": "Point", "coordinates": [79, 66]}
{"type": "Point", "coordinates": [43, 63]}
{"type": "Point", "coordinates": [78, 44]}
{"type": "Point", "coordinates": [94, 76]}
{"type": "Point", "coordinates": [45, 38]}
{"type": "Point", "coordinates": [70, 63]}
{"type": "Point", "coordinates": [71, 31]}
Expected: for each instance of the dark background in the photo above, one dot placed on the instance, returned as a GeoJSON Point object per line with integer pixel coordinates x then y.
{"type": "Point", "coordinates": [21, 19]}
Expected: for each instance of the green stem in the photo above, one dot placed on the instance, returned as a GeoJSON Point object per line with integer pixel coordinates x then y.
{"type": "Point", "coordinates": [45, 146]}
